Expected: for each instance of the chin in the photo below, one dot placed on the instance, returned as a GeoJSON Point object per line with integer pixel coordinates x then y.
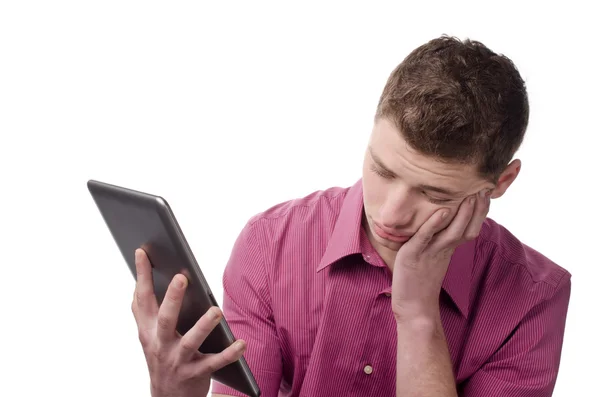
{"type": "Point", "coordinates": [391, 245]}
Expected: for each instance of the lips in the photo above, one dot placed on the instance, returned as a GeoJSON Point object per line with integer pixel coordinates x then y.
{"type": "Point", "coordinates": [387, 235]}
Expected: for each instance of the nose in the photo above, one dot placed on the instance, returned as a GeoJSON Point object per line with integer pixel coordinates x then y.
{"type": "Point", "coordinates": [398, 210]}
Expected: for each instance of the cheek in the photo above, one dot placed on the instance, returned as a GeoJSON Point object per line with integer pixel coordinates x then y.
{"type": "Point", "coordinates": [374, 191]}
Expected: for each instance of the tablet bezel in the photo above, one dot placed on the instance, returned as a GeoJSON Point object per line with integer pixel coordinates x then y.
{"type": "Point", "coordinates": [110, 199]}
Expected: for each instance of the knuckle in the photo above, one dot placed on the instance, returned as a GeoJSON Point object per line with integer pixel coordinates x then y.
{"type": "Point", "coordinates": [205, 324]}
{"type": "Point", "coordinates": [228, 356]}
{"type": "Point", "coordinates": [425, 239]}
{"type": "Point", "coordinates": [205, 328]}
{"type": "Point", "coordinates": [163, 322]}
{"type": "Point", "coordinates": [201, 370]}
{"type": "Point", "coordinates": [159, 354]}
{"type": "Point", "coordinates": [186, 373]}
{"type": "Point", "coordinates": [471, 235]}
{"type": "Point", "coordinates": [172, 296]}
{"type": "Point", "coordinates": [211, 366]}
{"type": "Point", "coordinates": [187, 345]}
{"type": "Point", "coordinates": [447, 252]}
{"type": "Point", "coordinates": [156, 354]}
{"type": "Point", "coordinates": [214, 362]}
{"type": "Point", "coordinates": [144, 339]}
{"type": "Point", "coordinates": [140, 296]}
{"type": "Point", "coordinates": [231, 355]}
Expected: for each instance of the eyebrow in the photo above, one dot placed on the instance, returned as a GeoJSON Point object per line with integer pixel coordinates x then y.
{"type": "Point", "coordinates": [430, 188]}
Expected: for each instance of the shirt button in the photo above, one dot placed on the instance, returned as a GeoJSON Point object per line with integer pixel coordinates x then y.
{"type": "Point", "coordinates": [388, 294]}
{"type": "Point", "coordinates": [368, 370]}
{"type": "Point", "coordinates": [368, 257]}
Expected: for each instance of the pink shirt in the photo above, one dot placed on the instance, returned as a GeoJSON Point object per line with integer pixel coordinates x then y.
{"type": "Point", "coordinates": [310, 295]}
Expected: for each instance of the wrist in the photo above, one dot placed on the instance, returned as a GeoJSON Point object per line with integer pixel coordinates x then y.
{"type": "Point", "coordinates": [416, 313]}
{"type": "Point", "coordinates": [423, 323]}
{"type": "Point", "coordinates": [420, 331]}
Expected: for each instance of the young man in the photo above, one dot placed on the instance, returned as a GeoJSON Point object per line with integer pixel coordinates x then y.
{"type": "Point", "coordinates": [399, 285]}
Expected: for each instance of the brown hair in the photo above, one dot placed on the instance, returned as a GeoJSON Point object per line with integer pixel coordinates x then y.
{"type": "Point", "coordinates": [459, 102]}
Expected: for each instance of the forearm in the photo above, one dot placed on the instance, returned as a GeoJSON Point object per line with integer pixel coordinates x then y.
{"type": "Point", "coordinates": [423, 365]}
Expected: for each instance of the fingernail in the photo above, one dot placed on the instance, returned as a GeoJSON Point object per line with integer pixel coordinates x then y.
{"type": "Point", "coordinates": [179, 281]}
{"type": "Point", "coordinates": [483, 193]}
{"type": "Point", "coordinates": [214, 313]}
{"type": "Point", "coordinates": [239, 345]}
{"type": "Point", "coordinates": [472, 200]}
{"type": "Point", "coordinates": [445, 214]}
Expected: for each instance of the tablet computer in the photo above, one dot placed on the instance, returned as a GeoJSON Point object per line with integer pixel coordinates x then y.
{"type": "Point", "coordinates": [142, 220]}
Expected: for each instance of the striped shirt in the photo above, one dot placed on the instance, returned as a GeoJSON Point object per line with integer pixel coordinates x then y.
{"type": "Point", "coordinates": [311, 297]}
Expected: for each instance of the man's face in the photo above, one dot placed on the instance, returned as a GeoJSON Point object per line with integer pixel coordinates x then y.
{"type": "Point", "coordinates": [403, 188]}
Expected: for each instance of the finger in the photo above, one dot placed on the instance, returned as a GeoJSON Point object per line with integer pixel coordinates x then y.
{"type": "Point", "coordinates": [452, 235]}
{"type": "Point", "coordinates": [191, 341]}
{"type": "Point", "coordinates": [213, 362]}
{"type": "Point", "coordinates": [168, 313]}
{"type": "Point", "coordinates": [482, 208]}
{"type": "Point", "coordinates": [144, 305]}
{"type": "Point", "coordinates": [424, 235]}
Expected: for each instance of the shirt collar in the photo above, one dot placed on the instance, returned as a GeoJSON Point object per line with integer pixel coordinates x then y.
{"type": "Point", "coordinates": [346, 240]}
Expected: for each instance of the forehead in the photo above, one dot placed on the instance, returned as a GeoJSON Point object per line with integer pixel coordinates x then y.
{"type": "Point", "coordinates": [388, 146]}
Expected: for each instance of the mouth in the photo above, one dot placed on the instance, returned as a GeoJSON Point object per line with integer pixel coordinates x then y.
{"type": "Point", "coordinates": [384, 234]}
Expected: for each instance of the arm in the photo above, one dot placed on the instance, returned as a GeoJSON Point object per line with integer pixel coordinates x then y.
{"type": "Point", "coordinates": [247, 309]}
{"type": "Point", "coordinates": [423, 365]}
{"type": "Point", "coordinates": [527, 364]}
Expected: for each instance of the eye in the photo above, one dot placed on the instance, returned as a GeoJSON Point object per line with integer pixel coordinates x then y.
{"type": "Point", "coordinates": [438, 201]}
{"type": "Point", "coordinates": [381, 173]}
{"type": "Point", "coordinates": [435, 200]}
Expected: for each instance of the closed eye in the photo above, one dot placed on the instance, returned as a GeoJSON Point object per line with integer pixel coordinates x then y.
{"type": "Point", "coordinates": [382, 173]}
{"type": "Point", "coordinates": [436, 200]}
{"type": "Point", "coordinates": [389, 175]}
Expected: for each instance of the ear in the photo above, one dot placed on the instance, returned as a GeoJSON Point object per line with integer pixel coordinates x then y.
{"type": "Point", "coordinates": [507, 177]}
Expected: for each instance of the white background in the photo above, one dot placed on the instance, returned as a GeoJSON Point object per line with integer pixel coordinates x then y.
{"type": "Point", "coordinates": [226, 110]}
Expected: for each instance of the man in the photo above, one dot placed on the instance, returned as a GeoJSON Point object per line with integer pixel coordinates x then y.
{"type": "Point", "coordinates": [399, 285]}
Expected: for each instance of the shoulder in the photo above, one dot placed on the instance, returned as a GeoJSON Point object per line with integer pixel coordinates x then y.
{"type": "Point", "coordinates": [306, 221]}
{"type": "Point", "coordinates": [507, 256]}
{"type": "Point", "coordinates": [315, 208]}
{"type": "Point", "coordinates": [280, 237]}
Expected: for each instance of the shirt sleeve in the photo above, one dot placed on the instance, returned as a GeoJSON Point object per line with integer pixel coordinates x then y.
{"type": "Point", "coordinates": [527, 364]}
{"type": "Point", "coordinates": [248, 311]}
